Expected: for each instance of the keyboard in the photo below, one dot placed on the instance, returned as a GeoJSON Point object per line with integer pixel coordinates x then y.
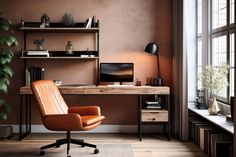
{"type": "Point", "coordinates": [123, 85]}
{"type": "Point", "coordinates": [74, 85]}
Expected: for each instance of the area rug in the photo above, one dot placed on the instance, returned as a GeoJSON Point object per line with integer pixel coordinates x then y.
{"type": "Point", "coordinates": [29, 150]}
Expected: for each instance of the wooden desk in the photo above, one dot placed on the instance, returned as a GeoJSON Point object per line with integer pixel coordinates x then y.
{"type": "Point", "coordinates": [127, 90]}
{"type": "Point", "coordinates": [25, 96]}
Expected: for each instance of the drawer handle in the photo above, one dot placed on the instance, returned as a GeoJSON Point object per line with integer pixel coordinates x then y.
{"type": "Point", "coordinates": [153, 119]}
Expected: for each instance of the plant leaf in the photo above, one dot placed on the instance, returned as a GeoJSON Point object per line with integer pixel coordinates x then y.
{"type": "Point", "coordinates": [5, 24]}
{"type": "Point", "coordinates": [4, 81]}
{"type": "Point", "coordinates": [4, 59]}
{"type": "Point", "coordinates": [4, 88]}
{"type": "Point", "coordinates": [3, 115]}
{"type": "Point", "coordinates": [10, 41]}
{"type": "Point", "coordinates": [2, 102]}
{"type": "Point", "coordinates": [7, 71]}
{"type": "Point", "coordinates": [6, 51]}
{"type": "Point", "coordinates": [4, 27]}
{"type": "Point", "coordinates": [2, 38]}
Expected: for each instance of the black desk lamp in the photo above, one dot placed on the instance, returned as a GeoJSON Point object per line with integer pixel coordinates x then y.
{"type": "Point", "coordinates": [153, 48]}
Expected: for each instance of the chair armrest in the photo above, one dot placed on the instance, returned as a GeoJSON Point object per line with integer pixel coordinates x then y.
{"type": "Point", "coordinates": [85, 110]}
{"type": "Point", "coordinates": [63, 122]}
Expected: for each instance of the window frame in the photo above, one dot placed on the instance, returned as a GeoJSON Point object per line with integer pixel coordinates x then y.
{"type": "Point", "coordinates": [225, 30]}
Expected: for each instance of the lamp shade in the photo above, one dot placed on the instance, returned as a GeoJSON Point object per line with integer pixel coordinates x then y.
{"type": "Point", "coordinates": [152, 48]}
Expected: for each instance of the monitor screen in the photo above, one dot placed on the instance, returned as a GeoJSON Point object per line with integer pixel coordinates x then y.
{"type": "Point", "coordinates": [116, 72]}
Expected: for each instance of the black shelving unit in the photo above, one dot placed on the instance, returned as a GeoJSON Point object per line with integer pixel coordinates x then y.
{"type": "Point", "coordinates": [34, 27]}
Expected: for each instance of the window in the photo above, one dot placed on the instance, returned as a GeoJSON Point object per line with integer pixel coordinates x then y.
{"type": "Point", "coordinates": [222, 50]}
{"type": "Point", "coordinates": [231, 72]}
{"type": "Point", "coordinates": [220, 25]}
{"type": "Point", "coordinates": [219, 16]}
{"type": "Point", "coordinates": [199, 61]}
{"type": "Point", "coordinates": [199, 41]}
{"type": "Point", "coordinates": [219, 57]}
{"type": "Point", "coordinates": [231, 11]}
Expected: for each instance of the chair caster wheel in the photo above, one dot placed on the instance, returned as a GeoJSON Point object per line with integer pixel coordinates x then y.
{"type": "Point", "coordinates": [96, 151]}
{"type": "Point", "coordinates": [68, 155]}
{"type": "Point", "coordinates": [42, 153]}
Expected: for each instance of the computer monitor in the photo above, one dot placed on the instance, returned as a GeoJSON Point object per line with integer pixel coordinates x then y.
{"type": "Point", "coordinates": [116, 72]}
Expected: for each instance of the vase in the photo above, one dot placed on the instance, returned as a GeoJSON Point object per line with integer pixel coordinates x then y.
{"type": "Point", "coordinates": [69, 48]}
{"type": "Point", "coordinates": [39, 47]}
{"type": "Point", "coordinates": [6, 132]}
{"type": "Point", "coordinates": [213, 108]}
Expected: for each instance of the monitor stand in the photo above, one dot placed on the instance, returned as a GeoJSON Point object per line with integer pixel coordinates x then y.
{"type": "Point", "coordinates": [119, 84]}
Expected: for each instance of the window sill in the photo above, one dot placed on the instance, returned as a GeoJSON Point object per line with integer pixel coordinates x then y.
{"type": "Point", "coordinates": [219, 120]}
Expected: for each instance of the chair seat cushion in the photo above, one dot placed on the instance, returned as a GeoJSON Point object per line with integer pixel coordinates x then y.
{"type": "Point", "coordinates": [89, 120]}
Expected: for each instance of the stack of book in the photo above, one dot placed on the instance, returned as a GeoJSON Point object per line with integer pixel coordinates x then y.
{"type": "Point", "coordinates": [37, 53]}
{"type": "Point", "coordinates": [212, 140]}
{"type": "Point", "coordinates": [153, 105]}
{"type": "Point", "coordinates": [33, 73]}
{"type": "Point", "coordinates": [90, 22]}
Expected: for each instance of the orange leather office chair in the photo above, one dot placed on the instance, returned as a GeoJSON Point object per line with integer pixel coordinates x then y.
{"type": "Point", "coordinates": [56, 115]}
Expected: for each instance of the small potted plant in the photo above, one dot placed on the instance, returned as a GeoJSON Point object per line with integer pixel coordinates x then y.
{"type": "Point", "coordinates": [39, 43]}
{"type": "Point", "coordinates": [7, 41]}
{"type": "Point", "coordinates": [68, 19]}
{"type": "Point", "coordinates": [214, 79]}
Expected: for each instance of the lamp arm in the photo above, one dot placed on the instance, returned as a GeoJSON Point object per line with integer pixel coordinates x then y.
{"type": "Point", "coordinates": [158, 67]}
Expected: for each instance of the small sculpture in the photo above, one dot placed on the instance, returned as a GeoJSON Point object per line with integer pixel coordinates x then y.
{"type": "Point", "coordinates": [45, 21]}
{"type": "Point", "coordinates": [68, 20]}
{"type": "Point", "coordinates": [39, 43]}
{"type": "Point", "coordinates": [213, 108]}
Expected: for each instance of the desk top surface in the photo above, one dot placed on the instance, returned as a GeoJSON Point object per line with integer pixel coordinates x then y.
{"type": "Point", "coordinates": [103, 89]}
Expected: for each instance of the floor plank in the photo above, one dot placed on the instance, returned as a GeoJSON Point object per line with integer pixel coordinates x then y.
{"type": "Point", "coordinates": [150, 146]}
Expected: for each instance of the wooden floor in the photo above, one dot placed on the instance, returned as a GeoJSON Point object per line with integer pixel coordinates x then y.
{"type": "Point", "coordinates": [150, 146]}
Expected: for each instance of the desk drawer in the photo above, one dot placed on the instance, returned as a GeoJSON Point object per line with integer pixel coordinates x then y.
{"type": "Point", "coordinates": [157, 116]}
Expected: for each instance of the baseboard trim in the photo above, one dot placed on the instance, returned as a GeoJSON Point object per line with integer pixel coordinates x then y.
{"type": "Point", "coordinates": [101, 129]}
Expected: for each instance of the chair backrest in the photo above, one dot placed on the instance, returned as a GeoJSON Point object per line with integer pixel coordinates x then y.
{"type": "Point", "coordinates": [49, 98]}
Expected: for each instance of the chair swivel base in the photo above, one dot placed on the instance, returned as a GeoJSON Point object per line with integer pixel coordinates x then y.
{"type": "Point", "coordinates": [67, 141]}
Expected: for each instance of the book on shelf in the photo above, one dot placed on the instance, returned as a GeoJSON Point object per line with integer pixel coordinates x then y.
{"type": "Point", "coordinates": [220, 144]}
{"type": "Point", "coordinates": [153, 105]}
{"type": "Point", "coordinates": [43, 53]}
{"type": "Point", "coordinates": [89, 23]}
{"type": "Point", "coordinates": [197, 132]}
{"type": "Point", "coordinates": [202, 141]}
{"type": "Point", "coordinates": [93, 21]}
{"type": "Point", "coordinates": [34, 73]}
{"type": "Point", "coordinates": [84, 56]}
{"type": "Point", "coordinates": [152, 102]}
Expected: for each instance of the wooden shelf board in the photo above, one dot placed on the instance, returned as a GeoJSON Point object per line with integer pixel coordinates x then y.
{"type": "Point", "coordinates": [59, 57]}
{"type": "Point", "coordinates": [153, 110]}
{"type": "Point", "coordinates": [59, 29]}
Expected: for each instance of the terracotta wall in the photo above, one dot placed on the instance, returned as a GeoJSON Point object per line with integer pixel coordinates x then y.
{"type": "Point", "coordinates": [125, 28]}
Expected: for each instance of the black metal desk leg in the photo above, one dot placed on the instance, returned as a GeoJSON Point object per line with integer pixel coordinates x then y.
{"type": "Point", "coordinates": [30, 113]}
{"type": "Point", "coordinates": [20, 127]}
{"type": "Point", "coordinates": [169, 118]}
{"type": "Point", "coordinates": [26, 114]}
{"type": "Point", "coordinates": [139, 117]}
{"type": "Point", "coordinates": [27, 102]}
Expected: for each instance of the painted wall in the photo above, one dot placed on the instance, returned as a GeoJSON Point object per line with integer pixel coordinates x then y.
{"type": "Point", "coordinates": [125, 28]}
